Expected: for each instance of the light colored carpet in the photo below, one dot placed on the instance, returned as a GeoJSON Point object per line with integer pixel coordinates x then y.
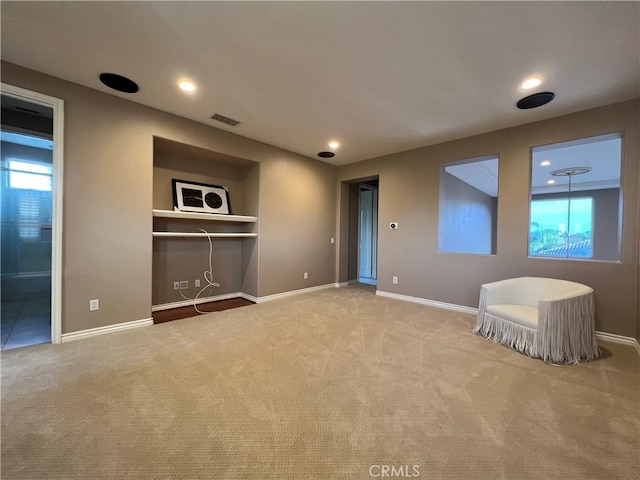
{"type": "Point", "coordinates": [334, 384]}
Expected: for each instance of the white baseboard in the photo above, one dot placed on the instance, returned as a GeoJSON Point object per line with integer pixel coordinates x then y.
{"type": "Point", "coordinates": [277, 296]}
{"type": "Point", "coordinates": [430, 303]}
{"type": "Point", "coordinates": [92, 332]}
{"type": "Point", "coordinates": [607, 337]}
{"type": "Point", "coordinates": [189, 303]}
{"type": "Point", "coordinates": [613, 338]}
{"type": "Point", "coordinates": [246, 296]}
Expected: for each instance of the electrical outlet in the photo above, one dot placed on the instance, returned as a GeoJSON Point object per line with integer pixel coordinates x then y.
{"type": "Point", "coordinates": [395, 280]}
{"type": "Point", "coordinates": [332, 240]}
{"type": "Point", "coordinates": [176, 285]}
{"type": "Point", "coordinates": [197, 282]}
{"type": "Point", "coordinates": [306, 275]}
{"type": "Point", "coordinates": [94, 305]}
{"type": "Point", "coordinates": [184, 284]}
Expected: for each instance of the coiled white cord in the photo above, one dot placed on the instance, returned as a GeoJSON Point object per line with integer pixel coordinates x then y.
{"type": "Point", "coordinates": [208, 277]}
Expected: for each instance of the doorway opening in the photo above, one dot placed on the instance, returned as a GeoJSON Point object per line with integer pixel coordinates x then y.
{"type": "Point", "coordinates": [30, 215]}
{"type": "Point", "coordinates": [368, 233]}
{"type": "Point", "coordinates": [360, 252]}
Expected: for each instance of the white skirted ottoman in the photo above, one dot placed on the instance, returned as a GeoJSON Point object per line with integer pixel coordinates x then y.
{"type": "Point", "coordinates": [544, 318]}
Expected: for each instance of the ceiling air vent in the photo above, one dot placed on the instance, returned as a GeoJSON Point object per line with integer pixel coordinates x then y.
{"type": "Point", "coordinates": [223, 119]}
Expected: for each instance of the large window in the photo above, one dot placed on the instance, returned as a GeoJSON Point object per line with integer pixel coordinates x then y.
{"type": "Point", "coordinates": [468, 206]}
{"type": "Point", "coordinates": [575, 199]}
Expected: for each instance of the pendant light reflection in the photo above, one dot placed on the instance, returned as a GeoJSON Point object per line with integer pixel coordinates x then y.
{"type": "Point", "coordinates": [569, 172]}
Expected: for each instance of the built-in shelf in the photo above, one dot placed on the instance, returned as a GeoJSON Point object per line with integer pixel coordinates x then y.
{"type": "Point", "coordinates": [204, 216]}
{"type": "Point", "coordinates": [202, 234]}
{"type": "Point", "coordinates": [180, 240]}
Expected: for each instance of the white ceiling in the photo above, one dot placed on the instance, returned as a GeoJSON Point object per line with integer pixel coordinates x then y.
{"type": "Point", "coordinates": [480, 173]}
{"type": "Point", "coordinates": [380, 77]}
{"type": "Point", "coordinates": [601, 155]}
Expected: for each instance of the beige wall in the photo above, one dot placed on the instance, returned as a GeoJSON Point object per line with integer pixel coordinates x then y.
{"type": "Point", "coordinates": [409, 195]}
{"type": "Point", "coordinates": [108, 198]}
{"type": "Point", "coordinates": [464, 209]}
{"type": "Point", "coordinates": [298, 220]}
{"type": "Point", "coordinates": [638, 257]}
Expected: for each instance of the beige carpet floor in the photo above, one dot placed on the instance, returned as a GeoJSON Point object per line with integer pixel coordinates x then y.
{"type": "Point", "coordinates": [335, 384]}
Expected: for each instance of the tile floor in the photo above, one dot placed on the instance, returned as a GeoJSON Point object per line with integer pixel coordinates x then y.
{"type": "Point", "coordinates": [25, 322]}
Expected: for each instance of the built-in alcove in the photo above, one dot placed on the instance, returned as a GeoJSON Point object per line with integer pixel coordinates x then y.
{"type": "Point", "coordinates": [468, 206]}
{"type": "Point", "coordinates": [180, 244]}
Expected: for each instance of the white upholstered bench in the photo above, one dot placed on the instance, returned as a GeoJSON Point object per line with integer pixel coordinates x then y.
{"type": "Point", "coordinates": [544, 318]}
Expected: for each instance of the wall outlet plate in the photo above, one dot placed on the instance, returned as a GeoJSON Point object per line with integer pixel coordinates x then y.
{"type": "Point", "coordinates": [176, 285]}
{"type": "Point", "coordinates": [94, 305]}
{"type": "Point", "coordinates": [184, 284]}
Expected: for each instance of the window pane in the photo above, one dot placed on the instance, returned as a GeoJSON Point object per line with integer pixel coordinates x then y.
{"type": "Point", "coordinates": [30, 167]}
{"type": "Point", "coordinates": [575, 199]}
{"type": "Point", "coordinates": [549, 235]}
{"type": "Point", "coordinates": [29, 215]}
{"type": "Point", "coordinates": [30, 175]}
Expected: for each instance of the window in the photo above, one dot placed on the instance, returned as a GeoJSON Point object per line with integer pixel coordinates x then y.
{"type": "Point", "coordinates": [29, 197]}
{"type": "Point", "coordinates": [468, 206]}
{"type": "Point", "coordinates": [29, 215]}
{"type": "Point", "coordinates": [549, 232]}
{"type": "Point", "coordinates": [575, 199]}
{"type": "Point", "coordinates": [29, 175]}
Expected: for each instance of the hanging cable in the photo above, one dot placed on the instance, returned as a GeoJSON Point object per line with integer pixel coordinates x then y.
{"type": "Point", "coordinates": [208, 277]}
{"type": "Point", "coordinates": [569, 215]}
{"type": "Point", "coordinates": [569, 172]}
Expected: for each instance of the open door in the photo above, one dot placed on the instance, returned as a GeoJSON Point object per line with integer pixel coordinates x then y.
{"type": "Point", "coordinates": [31, 215]}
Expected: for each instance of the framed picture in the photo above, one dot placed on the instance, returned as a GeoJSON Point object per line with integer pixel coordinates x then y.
{"type": "Point", "coordinates": [200, 197]}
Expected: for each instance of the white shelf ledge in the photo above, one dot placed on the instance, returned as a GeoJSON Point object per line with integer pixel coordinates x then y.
{"type": "Point", "coordinates": [204, 235]}
{"type": "Point", "coordinates": [204, 216]}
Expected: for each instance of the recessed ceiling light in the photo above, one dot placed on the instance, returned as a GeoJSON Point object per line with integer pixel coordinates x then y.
{"type": "Point", "coordinates": [333, 145]}
{"type": "Point", "coordinates": [326, 154]}
{"type": "Point", "coordinates": [187, 86]}
{"type": "Point", "coordinates": [545, 163]}
{"type": "Point", "coordinates": [551, 182]}
{"type": "Point", "coordinates": [531, 82]}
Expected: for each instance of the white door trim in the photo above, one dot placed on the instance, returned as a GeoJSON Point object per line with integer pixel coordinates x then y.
{"type": "Point", "coordinates": [57, 105]}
